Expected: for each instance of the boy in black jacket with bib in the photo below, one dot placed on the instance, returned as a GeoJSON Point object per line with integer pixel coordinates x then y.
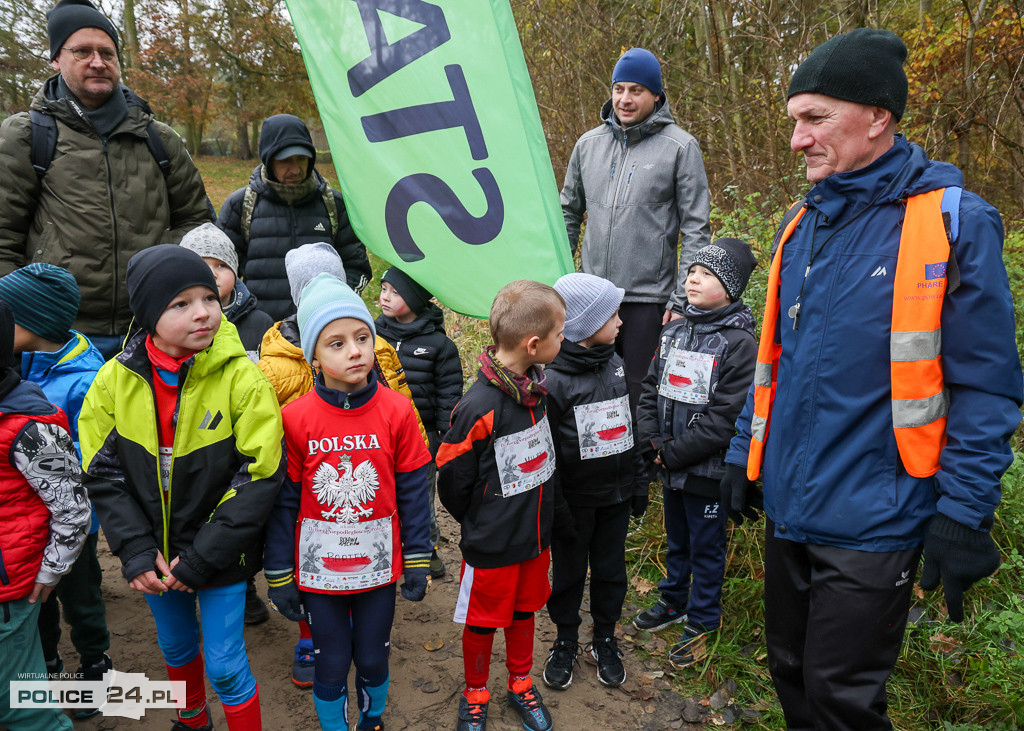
{"type": "Point", "coordinates": [495, 476]}
{"type": "Point", "coordinates": [601, 478]}
{"type": "Point", "coordinates": [693, 392]}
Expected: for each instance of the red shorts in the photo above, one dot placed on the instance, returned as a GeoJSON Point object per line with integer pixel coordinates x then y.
{"type": "Point", "coordinates": [487, 597]}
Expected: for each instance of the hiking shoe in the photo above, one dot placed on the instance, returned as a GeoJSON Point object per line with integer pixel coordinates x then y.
{"type": "Point", "coordinates": [525, 699]}
{"type": "Point", "coordinates": [691, 649]}
{"type": "Point", "coordinates": [302, 666]}
{"type": "Point", "coordinates": [437, 569]}
{"type": "Point", "coordinates": [660, 616]}
{"type": "Point", "coordinates": [55, 667]}
{"type": "Point", "coordinates": [473, 710]}
{"type": "Point", "coordinates": [609, 661]}
{"type": "Point", "coordinates": [92, 673]}
{"type": "Point", "coordinates": [370, 723]}
{"type": "Point", "coordinates": [181, 726]}
{"type": "Point", "coordinates": [558, 669]}
{"type": "Point", "coordinates": [255, 610]}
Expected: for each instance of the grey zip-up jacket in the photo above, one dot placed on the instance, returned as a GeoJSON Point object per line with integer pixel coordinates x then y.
{"type": "Point", "coordinates": [641, 187]}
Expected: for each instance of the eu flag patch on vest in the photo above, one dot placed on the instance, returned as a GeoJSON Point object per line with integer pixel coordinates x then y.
{"type": "Point", "coordinates": [935, 271]}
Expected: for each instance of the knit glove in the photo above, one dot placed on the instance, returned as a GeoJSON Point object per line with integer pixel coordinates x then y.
{"type": "Point", "coordinates": [739, 496]}
{"type": "Point", "coordinates": [639, 506]}
{"type": "Point", "coordinates": [958, 556]}
{"type": "Point", "coordinates": [284, 594]}
{"type": "Point", "coordinates": [417, 577]}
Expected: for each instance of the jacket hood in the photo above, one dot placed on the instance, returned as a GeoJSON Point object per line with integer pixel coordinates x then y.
{"type": "Point", "coordinates": [25, 398]}
{"type": "Point", "coordinates": [224, 347]}
{"type": "Point", "coordinates": [574, 358]}
{"type": "Point", "coordinates": [431, 320]}
{"type": "Point", "coordinates": [736, 315]}
{"type": "Point", "coordinates": [78, 355]}
{"type": "Point", "coordinates": [242, 301]}
{"type": "Point", "coordinates": [904, 170]}
{"type": "Point", "coordinates": [49, 101]}
{"type": "Point", "coordinates": [660, 117]}
{"type": "Point", "coordinates": [281, 131]}
{"type": "Point", "coordinates": [282, 341]}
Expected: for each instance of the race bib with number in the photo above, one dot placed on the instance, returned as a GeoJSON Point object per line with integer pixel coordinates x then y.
{"type": "Point", "coordinates": [605, 428]}
{"type": "Point", "coordinates": [525, 459]}
{"type": "Point", "coordinates": [687, 376]}
{"type": "Point", "coordinates": [344, 556]}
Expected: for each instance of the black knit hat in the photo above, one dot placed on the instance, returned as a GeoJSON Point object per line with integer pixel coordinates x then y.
{"type": "Point", "coordinates": [731, 261]}
{"type": "Point", "coordinates": [68, 16]}
{"type": "Point", "coordinates": [863, 66]}
{"type": "Point", "coordinates": [414, 295]}
{"type": "Point", "coordinates": [157, 274]}
{"type": "Point", "coordinates": [6, 338]}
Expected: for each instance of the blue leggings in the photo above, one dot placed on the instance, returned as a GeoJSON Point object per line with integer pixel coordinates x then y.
{"type": "Point", "coordinates": [177, 633]}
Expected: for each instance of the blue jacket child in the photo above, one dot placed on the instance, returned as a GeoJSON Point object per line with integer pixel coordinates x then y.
{"type": "Point", "coordinates": [44, 299]}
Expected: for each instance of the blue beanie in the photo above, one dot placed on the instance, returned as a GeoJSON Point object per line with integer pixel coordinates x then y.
{"type": "Point", "coordinates": [639, 66]}
{"type": "Point", "coordinates": [324, 300]}
{"type": "Point", "coordinates": [43, 299]}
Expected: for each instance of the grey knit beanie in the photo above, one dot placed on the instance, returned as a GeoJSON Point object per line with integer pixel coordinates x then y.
{"type": "Point", "coordinates": [209, 241]}
{"type": "Point", "coordinates": [731, 261]}
{"type": "Point", "coordinates": [305, 262]}
{"type": "Point", "coordinates": [590, 301]}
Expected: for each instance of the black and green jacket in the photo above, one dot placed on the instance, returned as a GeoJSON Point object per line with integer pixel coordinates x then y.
{"type": "Point", "coordinates": [228, 462]}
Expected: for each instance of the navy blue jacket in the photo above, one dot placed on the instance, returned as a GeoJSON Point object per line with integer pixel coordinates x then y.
{"type": "Point", "coordinates": [832, 473]}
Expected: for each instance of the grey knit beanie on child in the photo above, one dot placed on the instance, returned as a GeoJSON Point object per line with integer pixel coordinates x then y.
{"type": "Point", "coordinates": [209, 241]}
{"type": "Point", "coordinates": [305, 262]}
{"type": "Point", "coordinates": [590, 301]}
{"type": "Point", "coordinates": [731, 261]}
{"type": "Point", "coordinates": [324, 300]}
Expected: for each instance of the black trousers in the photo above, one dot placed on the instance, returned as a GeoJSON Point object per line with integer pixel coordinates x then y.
{"type": "Point", "coordinates": [834, 623]}
{"type": "Point", "coordinates": [637, 341]}
{"type": "Point", "coordinates": [601, 542]}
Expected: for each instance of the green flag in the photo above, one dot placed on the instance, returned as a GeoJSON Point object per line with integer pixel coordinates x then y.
{"type": "Point", "coordinates": [436, 138]}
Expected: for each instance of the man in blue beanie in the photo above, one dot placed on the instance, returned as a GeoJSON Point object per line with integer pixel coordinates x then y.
{"type": "Point", "coordinates": [644, 180]}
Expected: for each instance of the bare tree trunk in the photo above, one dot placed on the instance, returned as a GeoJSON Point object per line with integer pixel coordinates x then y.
{"type": "Point", "coordinates": [964, 128]}
{"type": "Point", "coordinates": [131, 35]}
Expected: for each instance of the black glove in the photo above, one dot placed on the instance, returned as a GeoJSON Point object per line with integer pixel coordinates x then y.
{"type": "Point", "coordinates": [958, 556]}
{"type": "Point", "coordinates": [740, 497]}
{"type": "Point", "coordinates": [417, 579]}
{"type": "Point", "coordinates": [639, 505]}
{"type": "Point", "coordinates": [287, 601]}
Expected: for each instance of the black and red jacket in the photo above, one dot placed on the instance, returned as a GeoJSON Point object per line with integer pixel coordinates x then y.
{"type": "Point", "coordinates": [498, 529]}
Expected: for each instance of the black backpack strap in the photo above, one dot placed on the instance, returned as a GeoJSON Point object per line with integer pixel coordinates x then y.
{"type": "Point", "coordinates": [157, 149]}
{"type": "Point", "coordinates": [44, 142]}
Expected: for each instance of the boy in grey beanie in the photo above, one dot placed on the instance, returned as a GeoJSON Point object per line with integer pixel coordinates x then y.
{"type": "Point", "coordinates": [601, 478]}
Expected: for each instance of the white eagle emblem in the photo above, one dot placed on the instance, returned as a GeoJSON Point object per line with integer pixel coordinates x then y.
{"type": "Point", "coordinates": [346, 492]}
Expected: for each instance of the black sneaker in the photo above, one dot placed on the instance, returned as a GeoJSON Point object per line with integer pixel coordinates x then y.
{"type": "Point", "coordinates": [473, 711]}
{"type": "Point", "coordinates": [691, 649]}
{"type": "Point", "coordinates": [255, 610]}
{"type": "Point", "coordinates": [525, 699]}
{"type": "Point", "coordinates": [55, 667]}
{"type": "Point", "coordinates": [92, 673]}
{"type": "Point", "coordinates": [558, 670]}
{"type": "Point", "coordinates": [609, 661]}
{"type": "Point", "coordinates": [179, 726]}
{"type": "Point", "coordinates": [437, 569]}
{"type": "Point", "coordinates": [660, 616]}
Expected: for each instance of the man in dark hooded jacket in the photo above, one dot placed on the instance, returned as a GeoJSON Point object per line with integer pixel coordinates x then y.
{"type": "Point", "coordinates": [286, 204]}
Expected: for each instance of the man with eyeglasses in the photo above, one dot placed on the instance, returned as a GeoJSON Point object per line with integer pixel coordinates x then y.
{"type": "Point", "coordinates": [108, 182]}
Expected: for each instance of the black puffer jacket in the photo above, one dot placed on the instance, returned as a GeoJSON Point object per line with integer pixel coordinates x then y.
{"type": "Point", "coordinates": [277, 227]}
{"type": "Point", "coordinates": [431, 363]}
{"type": "Point", "coordinates": [697, 435]}
{"type": "Point", "coordinates": [252, 323]}
{"type": "Point", "coordinates": [577, 377]}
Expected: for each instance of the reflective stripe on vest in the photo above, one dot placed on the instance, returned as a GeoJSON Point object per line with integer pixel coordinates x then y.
{"type": "Point", "coordinates": [920, 402]}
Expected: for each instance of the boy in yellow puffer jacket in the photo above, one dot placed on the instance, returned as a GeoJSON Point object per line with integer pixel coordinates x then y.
{"type": "Point", "coordinates": [282, 361]}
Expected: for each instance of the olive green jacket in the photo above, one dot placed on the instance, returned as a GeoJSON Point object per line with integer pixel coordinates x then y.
{"type": "Point", "coordinates": [99, 203]}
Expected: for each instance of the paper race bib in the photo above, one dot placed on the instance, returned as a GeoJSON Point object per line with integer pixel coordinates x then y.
{"type": "Point", "coordinates": [687, 376]}
{"type": "Point", "coordinates": [525, 459]}
{"type": "Point", "coordinates": [605, 428]}
{"type": "Point", "coordinates": [344, 556]}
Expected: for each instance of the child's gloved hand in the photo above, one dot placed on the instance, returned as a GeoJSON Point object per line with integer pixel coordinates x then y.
{"type": "Point", "coordinates": [740, 497]}
{"type": "Point", "coordinates": [958, 555]}
{"type": "Point", "coordinates": [639, 506]}
{"type": "Point", "coordinates": [417, 579]}
{"type": "Point", "coordinates": [284, 594]}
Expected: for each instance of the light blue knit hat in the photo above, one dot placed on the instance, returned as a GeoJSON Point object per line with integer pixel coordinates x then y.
{"type": "Point", "coordinates": [324, 300]}
{"type": "Point", "coordinates": [590, 301]}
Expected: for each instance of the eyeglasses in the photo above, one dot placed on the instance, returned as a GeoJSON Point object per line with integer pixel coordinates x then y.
{"type": "Point", "coordinates": [85, 53]}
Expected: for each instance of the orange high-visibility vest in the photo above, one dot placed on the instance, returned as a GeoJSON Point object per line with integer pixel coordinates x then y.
{"type": "Point", "coordinates": [920, 401]}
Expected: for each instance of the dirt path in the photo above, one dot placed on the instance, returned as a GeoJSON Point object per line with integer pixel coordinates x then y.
{"type": "Point", "coordinates": [425, 684]}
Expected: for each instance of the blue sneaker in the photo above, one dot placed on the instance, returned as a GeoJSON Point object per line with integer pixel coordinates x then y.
{"type": "Point", "coordinates": [691, 649]}
{"type": "Point", "coordinates": [660, 616]}
{"type": "Point", "coordinates": [302, 666]}
{"type": "Point", "coordinates": [525, 699]}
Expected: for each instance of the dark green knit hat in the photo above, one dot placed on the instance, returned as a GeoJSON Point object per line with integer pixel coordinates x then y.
{"type": "Point", "coordinates": [863, 66]}
{"type": "Point", "coordinates": [43, 299]}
